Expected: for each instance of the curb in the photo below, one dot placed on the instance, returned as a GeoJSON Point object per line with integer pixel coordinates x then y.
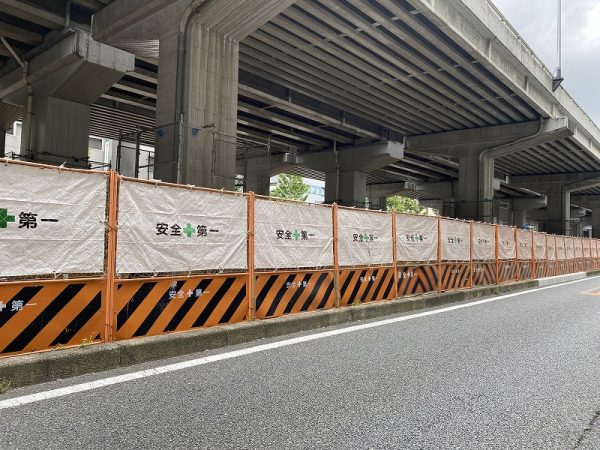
{"type": "Point", "coordinates": [26, 370]}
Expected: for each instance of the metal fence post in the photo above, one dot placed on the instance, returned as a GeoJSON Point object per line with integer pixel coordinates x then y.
{"type": "Point", "coordinates": [251, 277]}
{"type": "Point", "coordinates": [336, 260]}
{"type": "Point", "coordinates": [471, 277]}
{"type": "Point", "coordinates": [439, 254]}
{"type": "Point", "coordinates": [111, 256]}
{"type": "Point", "coordinates": [395, 250]}
{"type": "Point", "coordinates": [497, 254]}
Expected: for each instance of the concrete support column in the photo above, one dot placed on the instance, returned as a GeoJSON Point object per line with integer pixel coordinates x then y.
{"type": "Point", "coordinates": [59, 130]}
{"type": "Point", "coordinates": [596, 222]}
{"type": "Point", "coordinates": [558, 217]}
{"type": "Point", "coordinates": [475, 187]}
{"type": "Point", "coordinates": [2, 143]}
{"type": "Point", "coordinates": [349, 190]}
{"type": "Point", "coordinates": [200, 151]}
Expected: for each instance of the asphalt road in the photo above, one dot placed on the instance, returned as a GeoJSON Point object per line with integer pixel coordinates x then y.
{"type": "Point", "coordinates": [520, 372]}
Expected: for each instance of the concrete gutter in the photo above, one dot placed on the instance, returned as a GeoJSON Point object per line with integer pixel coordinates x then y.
{"type": "Point", "coordinates": [53, 365]}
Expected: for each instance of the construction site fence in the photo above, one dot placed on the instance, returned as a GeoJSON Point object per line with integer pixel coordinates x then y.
{"type": "Point", "coordinates": [96, 257]}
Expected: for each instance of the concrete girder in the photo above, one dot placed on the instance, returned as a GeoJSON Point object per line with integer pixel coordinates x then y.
{"type": "Point", "coordinates": [500, 139]}
{"type": "Point", "coordinates": [366, 158]}
{"type": "Point", "coordinates": [125, 23]}
{"type": "Point", "coordinates": [57, 87]}
{"type": "Point", "coordinates": [346, 169]}
{"type": "Point", "coordinates": [498, 47]}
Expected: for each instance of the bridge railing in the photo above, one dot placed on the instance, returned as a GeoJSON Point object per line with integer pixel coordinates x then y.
{"type": "Point", "coordinates": [94, 257]}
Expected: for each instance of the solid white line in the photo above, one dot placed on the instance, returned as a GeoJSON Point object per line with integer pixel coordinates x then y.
{"type": "Point", "coordinates": [69, 390]}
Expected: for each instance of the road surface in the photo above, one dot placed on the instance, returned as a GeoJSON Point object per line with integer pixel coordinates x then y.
{"type": "Point", "coordinates": [515, 372]}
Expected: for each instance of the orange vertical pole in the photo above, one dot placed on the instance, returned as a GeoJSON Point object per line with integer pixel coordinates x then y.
{"type": "Point", "coordinates": [251, 278]}
{"type": "Point", "coordinates": [547, 258]}
{"type": "Point", "coordinates": [111, 256]}
{"type": "Point", "coordinates": [471, 254]}
{"type": "Point", "coordinates": [533, 274]}
{"type": "Point", "coordinates": [497, 254]}
{"type": "Point", "coordinates": [439, 253]}
{"type": "Point", "coordinates": [590, 258]}
{"type": "Point", "coordinates": [395, 250]}
{"type": "Point", "coordinates": [518, 271]}
{"type": "Point", "coordinates": [336, 256]}
{"type": "Point", "coordinates": [566, 260]}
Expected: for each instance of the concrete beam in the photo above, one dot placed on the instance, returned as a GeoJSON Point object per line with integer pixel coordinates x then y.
{"type": "Point", "coordinates": [496, 45]}
{"type": "Point", "coordinates": [77, 69]}
{"type": "Point", "coordinates": [127, 23]}
{"type": "Point", "coordinates": [528, 204]}
{"type": "Point", "coordinates": [497, 140]}
{"type": "Point", "coordinates": [364, 159]}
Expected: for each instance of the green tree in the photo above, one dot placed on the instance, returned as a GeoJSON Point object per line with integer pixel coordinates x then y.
{"type": "Point", "coordinates": [290, 186]}
{"type": "Point", "coordinates": [404, 205]}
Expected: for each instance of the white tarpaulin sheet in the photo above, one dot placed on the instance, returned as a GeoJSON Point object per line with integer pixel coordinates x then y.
{"type": "Point", "coordinates": [551, 242]}
{"type": "Point", "coordinates": [51, 221]}
{"type": "Point", "coordinates": [484, 242]}
{"type": "Point", "coordinates": [540, 246]}
{"type": "Point", "coordinates": [561, 249]}
{"type": "Point", "coordinates": [594, 248]}
{"type": "Point", "coordinates": [525, 244]}
{"type": "Point", "coordinates": [570, 246]}
{"type": "Point", "coordinates": [587, 252]}
{"type": "Point", "coordinates": [578, 247]}
{"type": "Point", "coordinates": [456, 240]}
{"type": "Point", "coordinates": [416, 238]}
{"type": "Point", "coordinates": [164, 229]}
{"type": "Point", "coordinates": [507, 247]}
{"type": "Point", "coordinates": [365, 238]}
{"type": "Point", "coordinates": [291, 235]}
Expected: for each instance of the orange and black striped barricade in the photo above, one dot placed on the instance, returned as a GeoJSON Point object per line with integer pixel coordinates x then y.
{"type": "Point", "coordinates": [181, 260]}
{"type": "Point", "coordinates": [293, 259]}
{"type": "Point", "coordinates": [417, 254]}
{"type": "Point", "coordinates": [53, 228]}
{"type": "Point", "coordinates": [507, 255]}
{"type": "Point", "coordinates": [153, 306]}
{"type": "Point", "coordinates": [525, 254]}
{"type": "Point", "coordinates": [540, 254]}
{"type": "Point", "coordinates": [365, 255]}
{"type": "Point", "coordinates": [43, 314]}
{"type": "Point", "coordinates": [483, 245]}
{"type": "Point", "coordinates": [587, 254]}
{"type": "Point", "coordinates": [455, 246]}
{"type": "Point", "coordinates": [552, 260]}
{"type": "Point", "coordinates": [579, 258]}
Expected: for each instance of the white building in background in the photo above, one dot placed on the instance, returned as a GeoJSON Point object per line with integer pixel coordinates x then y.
{"type": "Point", "coordinates": [102, 153]}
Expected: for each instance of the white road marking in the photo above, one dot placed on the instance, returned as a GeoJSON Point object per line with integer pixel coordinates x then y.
{"type": "Point", "coordinates": [69, 390]}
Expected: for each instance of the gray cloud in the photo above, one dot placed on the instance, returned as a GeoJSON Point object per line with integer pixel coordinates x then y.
{"type": "Point", "coordinates": [535, 20]}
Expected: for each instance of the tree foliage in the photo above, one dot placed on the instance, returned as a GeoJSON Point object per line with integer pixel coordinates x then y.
{"type": "Point", "coordinates": [291, 187]}
{"type": "Point", "coordinates": [404, 205]}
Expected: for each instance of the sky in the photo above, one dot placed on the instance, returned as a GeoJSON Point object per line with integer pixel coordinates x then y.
{"type": "Point", "coordinates": [535, 20]}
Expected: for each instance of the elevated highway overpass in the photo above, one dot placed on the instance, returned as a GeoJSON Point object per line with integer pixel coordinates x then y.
{"type": "Point", "coordinates": [441, 100]}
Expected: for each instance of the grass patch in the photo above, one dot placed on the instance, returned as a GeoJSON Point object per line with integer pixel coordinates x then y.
{"type": "Point", "coordinates": [4, 386]}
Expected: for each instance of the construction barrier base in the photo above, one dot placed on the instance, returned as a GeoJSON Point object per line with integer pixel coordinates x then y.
{"type": "Point", "coordinates": [524, 270]}
{"type": "Point", "coordinates": [507, 271]}
{"type": "Point", "coordinates": [541, 269]}
{"type": "Point", "coordinates": [417, 279]}
{"type": "Point", "coordinates": [281, 293]}
{"type": "Point", "coordinates": [40, 315]}
{"type": "Point", "coordinates": [484, 273]}
{"type": "Point", "coordinates": [360, 285]}
{"type": "Point", "coordinates": [152, 306]}
{"type": "Point", "coordinates": [455, 276]}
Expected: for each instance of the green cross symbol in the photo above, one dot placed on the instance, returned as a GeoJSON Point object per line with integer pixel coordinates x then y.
{"type": "Point", "coordinates": [5, 218]}
{"type": "Point", "coordinates": [189, 230]}
{"type": "Point", "coordinates": [296, 235]}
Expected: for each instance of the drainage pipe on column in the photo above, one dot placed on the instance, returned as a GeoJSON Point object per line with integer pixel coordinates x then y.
{"type": "Point", "coordinates": [484, 153]}
{"type": "Point", "coordinates": [192, 11]}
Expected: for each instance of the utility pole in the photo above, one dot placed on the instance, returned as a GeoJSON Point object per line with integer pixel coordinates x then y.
{"type": "Point", "coordinates": [558, 78]}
